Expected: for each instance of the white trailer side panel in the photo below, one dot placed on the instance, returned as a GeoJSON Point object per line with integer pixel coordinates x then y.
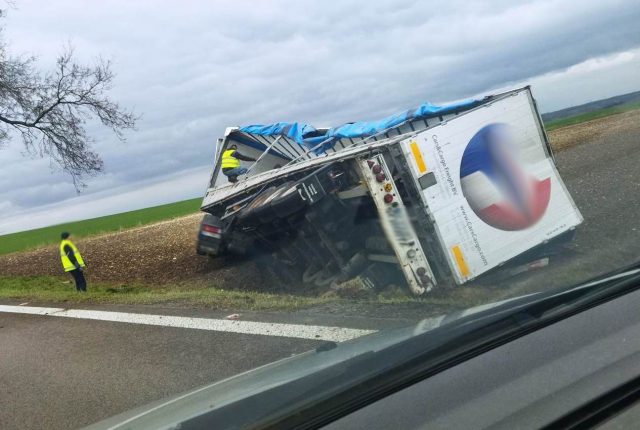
{"type": "Point", "coordinates": [497, 192]}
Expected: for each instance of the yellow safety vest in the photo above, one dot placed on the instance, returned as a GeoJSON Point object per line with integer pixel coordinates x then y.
{"type": "Point", "coordinates": [228, 161]}
{"type": "Point", "coordinates": [66, 263]}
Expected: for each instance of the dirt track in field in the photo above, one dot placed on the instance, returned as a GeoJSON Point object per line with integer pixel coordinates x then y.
{"type": "Point", "coordinates": [164, 252]}
{"type": "Point", "coordinates": [158, 253]}
{"type": "Point", "coordinates": [566, 137]}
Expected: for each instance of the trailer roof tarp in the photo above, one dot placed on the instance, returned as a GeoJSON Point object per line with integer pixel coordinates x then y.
{"type": "Point", "coordinates": [321, 140]}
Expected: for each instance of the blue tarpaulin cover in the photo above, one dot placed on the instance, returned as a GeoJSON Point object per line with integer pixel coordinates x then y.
{"type": "Point", "coordinates": [309, 137]}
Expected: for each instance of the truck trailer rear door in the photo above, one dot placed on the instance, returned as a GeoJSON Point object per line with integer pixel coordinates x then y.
{"type": "Point", "coordinates": [490, 184]}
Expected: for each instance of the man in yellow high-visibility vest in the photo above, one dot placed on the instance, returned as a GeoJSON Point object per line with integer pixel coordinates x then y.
{"type": "Point", "coordinates": [231, 163]}
{"type": "Point", "coordinates": [72, 261]}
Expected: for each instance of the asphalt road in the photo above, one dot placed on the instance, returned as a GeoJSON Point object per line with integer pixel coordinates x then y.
{"type": "Point", "coordinates": [59, 373]}
{"type": "Point", "coordinates": [67, 373]}
{"type": "Point", "coordinates": [63, 373]}
{"type": "Point", "coordinates": [604, 180]}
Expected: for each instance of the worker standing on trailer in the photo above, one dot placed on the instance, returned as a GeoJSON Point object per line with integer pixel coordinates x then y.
{"type": "Point", "coordinates": [231, 163]}
{"type": "Point", "coordinates": [72, 261]}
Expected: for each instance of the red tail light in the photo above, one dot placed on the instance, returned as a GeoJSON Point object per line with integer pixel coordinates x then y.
{"type": "Point", "coordinates": [211, 229]}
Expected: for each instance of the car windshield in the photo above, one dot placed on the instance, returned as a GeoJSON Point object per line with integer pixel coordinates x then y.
{"type": "Point", "coordinates": [193, 191]}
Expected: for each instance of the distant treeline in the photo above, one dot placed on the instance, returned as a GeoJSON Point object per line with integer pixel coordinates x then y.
{"type": "Point", "coordinates": [592, 106]}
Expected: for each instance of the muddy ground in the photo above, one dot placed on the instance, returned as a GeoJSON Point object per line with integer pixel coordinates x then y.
{"type": "Point", "coordinates": [155, 254]}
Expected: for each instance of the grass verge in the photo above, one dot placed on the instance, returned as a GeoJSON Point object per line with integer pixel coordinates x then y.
{"type": "Point", "coordinates": [588, 116]}
{"type": "Point", "coordinates": [47, 235]}
{"type": "Point", "coordinates": [61, 290]}
{"type": "Point", "coordinates": [53, 289]}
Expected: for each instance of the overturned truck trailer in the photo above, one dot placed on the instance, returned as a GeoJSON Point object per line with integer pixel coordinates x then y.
{"type": "Point", "coordinates": [432, 197]}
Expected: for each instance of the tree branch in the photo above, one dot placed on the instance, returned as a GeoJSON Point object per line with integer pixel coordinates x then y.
{"type": "Point", "coordinates": [49, 112]}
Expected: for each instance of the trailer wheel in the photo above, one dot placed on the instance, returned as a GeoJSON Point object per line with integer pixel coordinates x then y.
{"type": "Point", "coordinates": [282, 268]}
{"type": "Point", "coordinates": [311, 274]}
{"type": "Point", "coordinates": [288, 201]}
{"type": "Point", "coordinates": [326, 280]}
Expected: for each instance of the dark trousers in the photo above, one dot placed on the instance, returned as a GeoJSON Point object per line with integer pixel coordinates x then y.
{"type": "Point", "coordinates": [81, 283]}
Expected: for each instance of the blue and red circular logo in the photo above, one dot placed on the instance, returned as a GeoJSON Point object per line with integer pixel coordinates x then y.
{"type": "Point", "coordinates": [497, 184]}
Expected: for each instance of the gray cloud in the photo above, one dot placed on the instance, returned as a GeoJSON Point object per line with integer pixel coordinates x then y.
{"type": "Point", "coordinates": [196, 67]}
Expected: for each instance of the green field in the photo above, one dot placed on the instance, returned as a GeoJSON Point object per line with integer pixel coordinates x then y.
{"type": "Point", "coordinates": [558, 123]}
{"type": "Point", "coordinates": [48, 235]}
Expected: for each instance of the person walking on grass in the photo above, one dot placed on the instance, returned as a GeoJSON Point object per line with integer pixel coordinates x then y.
{"type": "Point", "coordinates": [72, 261]}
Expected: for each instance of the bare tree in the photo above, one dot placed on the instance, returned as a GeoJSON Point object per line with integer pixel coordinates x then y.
{"type": "Point", "coordinates": [49, 111]}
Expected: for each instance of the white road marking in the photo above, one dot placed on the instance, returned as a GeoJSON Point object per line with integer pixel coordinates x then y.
{"type": "Point", "coordinates": [315, 332]}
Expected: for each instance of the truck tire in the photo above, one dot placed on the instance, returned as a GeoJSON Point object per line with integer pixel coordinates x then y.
{"type": "Point", "coordinates": [279, 203]}
{"type": "Point", "coordinates": [325, 279]}
{"type": "Point", "coordinates": [248, 215]}
{"type": "Point", "coordinates": [288, 202]}
{"type": "Point", "coordinates": [279, 271]}
{"type": "Point", "coordinates": [311, 274]}
{"type": "Point", "coordinates": [274, 202]}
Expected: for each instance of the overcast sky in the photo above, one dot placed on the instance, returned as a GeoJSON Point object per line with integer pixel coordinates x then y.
{"type": "Point", "coordinates": [192, 68]}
